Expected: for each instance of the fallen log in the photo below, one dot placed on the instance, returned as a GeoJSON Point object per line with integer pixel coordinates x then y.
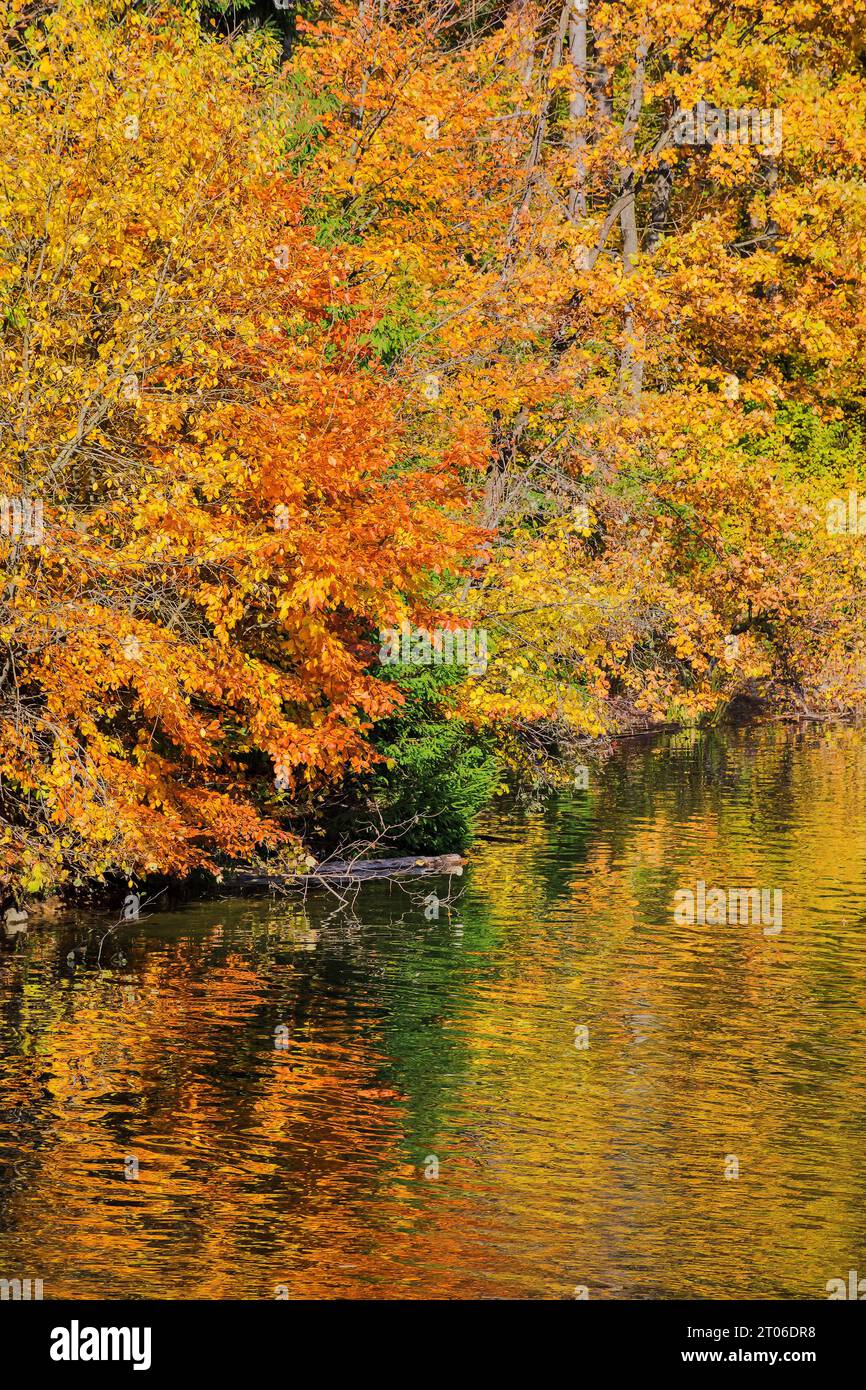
{"type": "Point", "coordinates": [353, 871]}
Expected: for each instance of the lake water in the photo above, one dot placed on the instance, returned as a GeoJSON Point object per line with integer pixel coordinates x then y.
{"type": "Point", "coordinates": [554, 1086]}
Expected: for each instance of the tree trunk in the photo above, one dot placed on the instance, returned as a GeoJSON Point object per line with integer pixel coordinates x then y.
{"type": "Point", "coordinates": [577, 106]}
{"type": "Point", "coordinates": [631, 366]}
{"type": "Point", "coordinates": [660, 202]}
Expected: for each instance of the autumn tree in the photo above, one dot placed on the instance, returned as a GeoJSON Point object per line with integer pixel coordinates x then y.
{"type": "Point", "coordinates": [634, 320]}
{"type": "Point", "coordinates": [229, 507]}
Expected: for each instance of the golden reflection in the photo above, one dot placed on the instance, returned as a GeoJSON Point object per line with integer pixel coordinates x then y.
{"type": "Point", "coordinates": [253, 1103]}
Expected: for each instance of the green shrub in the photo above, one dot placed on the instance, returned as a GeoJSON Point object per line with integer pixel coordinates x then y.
{"type": "Point", "coordinates": [440, 770]}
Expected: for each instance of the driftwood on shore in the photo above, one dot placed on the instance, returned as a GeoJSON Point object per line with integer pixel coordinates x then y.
{"type": "Point", "coordinates": [353, 870]}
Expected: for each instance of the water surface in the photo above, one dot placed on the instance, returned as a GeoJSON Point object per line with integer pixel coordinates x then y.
{"type": "Point", "coordinates": [258, 1098]}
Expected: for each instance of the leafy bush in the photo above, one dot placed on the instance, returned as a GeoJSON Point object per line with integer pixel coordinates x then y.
{"type": "Point", "coordinates": [440, 770]}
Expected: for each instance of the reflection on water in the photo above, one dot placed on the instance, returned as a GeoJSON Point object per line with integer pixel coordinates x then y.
{"type": "Point", "coordinates": [282, 1076]}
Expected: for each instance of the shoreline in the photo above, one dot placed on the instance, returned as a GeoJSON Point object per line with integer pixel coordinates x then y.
{"type": "Point", "coordinates": [241, 880]}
